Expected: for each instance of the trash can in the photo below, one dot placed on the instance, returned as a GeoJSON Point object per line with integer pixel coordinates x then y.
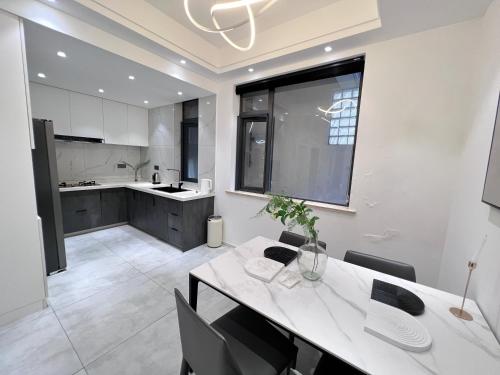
{"type": "Point", "coordinates": [214, 236]}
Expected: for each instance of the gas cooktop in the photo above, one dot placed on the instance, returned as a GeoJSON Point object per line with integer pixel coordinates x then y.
{"type": "Point", "coordinates": [65, 184]}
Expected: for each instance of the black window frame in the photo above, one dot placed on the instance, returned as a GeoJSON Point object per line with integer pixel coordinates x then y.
{"type": "Point", "coordinates": [339, 68]}
{"type": "Point", "coordinates": [185, 124]}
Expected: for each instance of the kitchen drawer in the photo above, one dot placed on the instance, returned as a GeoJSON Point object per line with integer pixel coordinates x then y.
{"type": "Point", "coordinates": [175, 237]}
{"type": "Point", "coordinates": [81, 210]}
{"type": "Point", "coordinates": [174, 207]}
{"type": "Point", "coordinates": [175, 221]}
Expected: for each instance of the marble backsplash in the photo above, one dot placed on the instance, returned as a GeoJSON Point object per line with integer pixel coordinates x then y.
{"type": "Point", "coordinates": [88, 161]}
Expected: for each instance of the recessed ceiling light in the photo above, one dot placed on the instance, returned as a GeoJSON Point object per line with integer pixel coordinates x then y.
{"type": "Point", "coordinates": [208, 103]}
{"type": "Point", "coordinates": [101, 91]}
{"type": "Point", "coordinates": [179, 93]}
{"type": "Point", "coordinates": [250, 70]}
{"type": "Point", "coordinates": [42, 75]}
{"type": "Point", "coordinates": [260, 99]}
{"type": "Point", "coordinates": [146, 102]}
{"type": "Point", "coordinates": [61, 54]}
{"type": "Point", "coordinates": [183, 61]}
{"type": "Point", "coordinates": [328, 49]}
{"type": "Point", "coordinates": [131, 78]}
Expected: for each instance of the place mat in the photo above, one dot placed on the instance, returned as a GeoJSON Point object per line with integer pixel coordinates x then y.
{"type": "Point", "coordinates": [398, 297]}
{"type": "Point", "coordinates": [280, 254]}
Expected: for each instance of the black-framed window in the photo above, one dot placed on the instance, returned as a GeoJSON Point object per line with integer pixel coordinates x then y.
{"type": "Point", "coordinates": [297, 133]}
{"type": "Point", "coordinates": [189, 141]}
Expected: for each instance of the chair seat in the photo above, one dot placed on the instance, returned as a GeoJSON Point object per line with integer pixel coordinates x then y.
{"type": "Point", "coordinates": [257, 347]}
{"type": "Point", "coordinates": [329, 365]}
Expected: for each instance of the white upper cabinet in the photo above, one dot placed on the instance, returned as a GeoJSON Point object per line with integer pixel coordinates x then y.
{"type": "Point", "coordinates": [51, 103]}
{"type": "Point", "coordinates": [86, 115]}
{"type": "Point", "coordinates": [137, 126]}
{"type": "Point", "coordinates": [89, 116]}
{"type": "Point", "coordinates": [115, 122]}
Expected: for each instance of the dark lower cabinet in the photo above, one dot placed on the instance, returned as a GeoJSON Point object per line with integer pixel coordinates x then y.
{"type": "Point", "coordinates": [81, 210]}
{"type": "Point", "coordinates": [182, 224]}
{"type": "Point", "coordinates": [113, 206]}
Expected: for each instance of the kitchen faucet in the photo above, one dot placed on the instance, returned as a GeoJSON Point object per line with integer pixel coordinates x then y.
{"type": "Point", "coordinates": [178, 175]}
{"type": "Point", "coordinates": [136, 168]}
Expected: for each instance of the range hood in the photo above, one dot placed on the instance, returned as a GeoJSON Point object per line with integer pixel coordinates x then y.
{"type": "Point", "coordinates": [70, 138]}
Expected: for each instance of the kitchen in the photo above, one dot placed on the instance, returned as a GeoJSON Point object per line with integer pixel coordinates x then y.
{"type": "Point", "coordinates": [131, 145]}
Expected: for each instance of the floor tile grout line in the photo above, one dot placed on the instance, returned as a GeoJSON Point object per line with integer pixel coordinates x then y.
{"type": "Point", "coordinates": [67, 336]}
{"type": "Point", "coordinates": [120, 284]}
{"type": "Point", "coordinates": [128, 338]}
{"type": "Point", "coordinates": [128, 262]}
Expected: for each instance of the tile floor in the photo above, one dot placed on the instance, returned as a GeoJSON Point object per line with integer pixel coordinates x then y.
{"type": "Point", "coordinates": [113, 311]}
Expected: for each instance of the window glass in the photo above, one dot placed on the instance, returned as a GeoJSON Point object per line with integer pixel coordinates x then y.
{"type": "Point", "coordinates": [190, 152]}
{"type": "Point", "coordinates": [256, 101]}
{"type": "Point", "coordinates": [190, 109]}
{"type": "Point", "coordinates": [313, 143]}
{"type": "Point", "coordinates": [254, 155]}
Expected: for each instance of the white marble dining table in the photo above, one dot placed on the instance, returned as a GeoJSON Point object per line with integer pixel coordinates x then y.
{"type": "Point", "coordinates": [330, 314]}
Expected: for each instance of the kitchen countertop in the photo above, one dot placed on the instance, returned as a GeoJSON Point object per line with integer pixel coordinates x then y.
{"type": "Point", "coordinates": [146, 187]}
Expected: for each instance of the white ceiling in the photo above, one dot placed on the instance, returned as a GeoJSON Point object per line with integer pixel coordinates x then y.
{"type": "Point", "coordinates": [88, 68]}
{"type": "Point", "coordinates": [279, 13]}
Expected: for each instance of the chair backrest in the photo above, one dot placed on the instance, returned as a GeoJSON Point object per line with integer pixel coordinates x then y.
{"type": "Point", "coordinates": [388, 266]}
{"type": "Point", "coordinates": [204, 349]}
{"type": "Point", "coordinates": [295, 239]}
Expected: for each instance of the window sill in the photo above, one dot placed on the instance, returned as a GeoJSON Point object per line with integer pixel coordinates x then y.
{"type": "Point", "coordinates": [326, 206]}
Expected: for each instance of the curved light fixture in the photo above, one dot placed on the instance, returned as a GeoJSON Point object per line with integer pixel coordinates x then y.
{"type": "Point", "coordinates": [331, 111]}
{"type": "Point", "coordinates": [223, 30]}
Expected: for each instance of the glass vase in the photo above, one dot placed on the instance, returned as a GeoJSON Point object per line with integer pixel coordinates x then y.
{"type": "Point", "coordinates": [312, 258]}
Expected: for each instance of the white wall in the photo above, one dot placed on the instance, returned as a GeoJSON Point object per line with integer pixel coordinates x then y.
{"type": "Point", "coordinates": [470, 219]}
{"type": "Point", "coordinates": [414, 109]}
{"type": "Point", "coordinates": [21, 268]}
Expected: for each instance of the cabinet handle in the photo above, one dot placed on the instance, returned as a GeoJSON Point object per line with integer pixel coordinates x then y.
{"type": "Point", "coordinates": [174, 214]}
{"type": "Point", "coordinates": [174, 229]}
{"type": "Point", "coordinates": [81, 211]}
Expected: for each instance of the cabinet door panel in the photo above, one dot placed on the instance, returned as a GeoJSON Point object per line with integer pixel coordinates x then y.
{"type": "Point", "coordinates": [51, 103]}
{"type": "Point", "coordinates": [137, 122]}
{"type": "Point", "coordinates": [113, 206]}
{"type": "Point", "coordinates": [115, 122]}
{"type": "Point", "coordinates": [86, 115]}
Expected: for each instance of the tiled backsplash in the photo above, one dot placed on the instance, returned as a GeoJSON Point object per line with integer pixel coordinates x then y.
{"type": "Point", "coordinates": [88, 161]}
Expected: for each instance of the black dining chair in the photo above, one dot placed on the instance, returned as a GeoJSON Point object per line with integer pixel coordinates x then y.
{"type": "Point", "coordinates": [295, 239]}
{"type": "Point", "coordinates": [329, 365]}
{"type": "Point", "coordinates": [240, 342]}
{"type": "Point", "coordinates": [387, 266]}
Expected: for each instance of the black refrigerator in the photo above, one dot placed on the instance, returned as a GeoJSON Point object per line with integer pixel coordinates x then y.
{"type": "Point", "coordinates": [47, 195]}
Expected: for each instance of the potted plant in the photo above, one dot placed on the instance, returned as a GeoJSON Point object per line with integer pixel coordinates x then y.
{"type": "Point", "coordinates": [311, 257]}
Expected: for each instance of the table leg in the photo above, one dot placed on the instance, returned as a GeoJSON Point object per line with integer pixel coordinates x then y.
{"type": "Point", "coordinates": [193, 291]}
{"type": "Point", "coordinates": [291, 337]}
